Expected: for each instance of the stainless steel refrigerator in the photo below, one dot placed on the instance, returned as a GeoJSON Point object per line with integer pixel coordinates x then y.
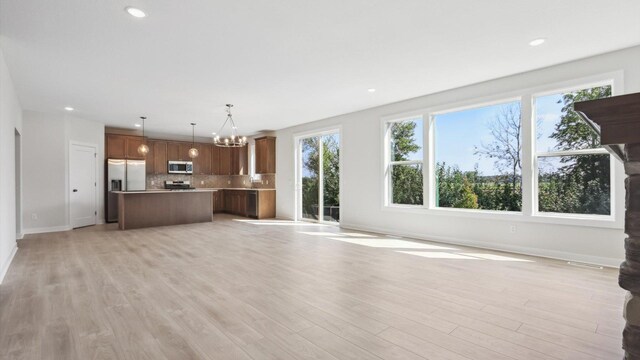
{"type": "Point", "coordinates": [123, 175]}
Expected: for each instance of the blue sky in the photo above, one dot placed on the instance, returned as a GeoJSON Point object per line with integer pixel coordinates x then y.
{"type": "Point", "coordinates": [456, 133]}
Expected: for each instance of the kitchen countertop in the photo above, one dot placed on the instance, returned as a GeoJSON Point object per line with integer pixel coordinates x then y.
{"type": "Point", "coordinates": [245, 189]}
{"type": "Point", "coordinates": [163, 191]}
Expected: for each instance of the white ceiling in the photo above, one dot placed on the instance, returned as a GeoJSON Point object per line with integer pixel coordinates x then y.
{"type": "Point", "coordinates": [284, 62]}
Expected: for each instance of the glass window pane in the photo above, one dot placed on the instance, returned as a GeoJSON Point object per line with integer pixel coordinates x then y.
{"type": "Point", "coordinates": [406, 140]}
{"type": "Point", "coordinates": [406, 184]}
{"type": "Point", "coordinates": [331, 176]}
{"type": "Point", "coordinates": [574, 184]}
{"type": "Point", "coordinates": [559, 127]}
{"type": "Point", "coordinates": [310, 178]}
{"type": "Point", "coordinates": [477, 153]}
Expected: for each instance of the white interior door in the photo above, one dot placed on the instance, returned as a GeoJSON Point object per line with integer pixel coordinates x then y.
{"type": "Point", "coordinates": [82, 179]}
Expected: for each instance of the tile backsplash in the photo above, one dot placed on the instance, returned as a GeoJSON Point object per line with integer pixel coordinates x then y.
{"type": "Point", "coordinates": [213, 181]}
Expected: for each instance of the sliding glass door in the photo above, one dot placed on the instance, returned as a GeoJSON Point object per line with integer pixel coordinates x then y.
{"type": "Point", "coordinates": [319, 177]}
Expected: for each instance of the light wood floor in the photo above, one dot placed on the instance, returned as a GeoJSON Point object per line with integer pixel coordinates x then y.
{"type": "Point", "coordinates": [277, 290]}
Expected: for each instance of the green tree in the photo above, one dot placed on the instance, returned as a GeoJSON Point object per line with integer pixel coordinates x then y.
{"type": "Point", "coordinates": [407, 180]}
{"type": "Point", "coordinates": [311, 169]}
{"type": "Point", "coordinates": [582, 183]}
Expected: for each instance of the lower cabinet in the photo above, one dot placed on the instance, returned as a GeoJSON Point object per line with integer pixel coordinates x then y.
{"type": "Point", "coordinates": [246, 203]}
{"type": "Point", "coordinates": [218, 201]}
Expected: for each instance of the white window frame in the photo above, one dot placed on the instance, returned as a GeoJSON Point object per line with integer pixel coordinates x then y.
{"type": "Point", "coordinates": [594, 151]}
{"type": "Point", "coordinates": [432, 175]}
{"type": "Point", "coordinates": [529, 211]}
{"type": "Point", "coordinates": [297, 150]}
{"type": "Point", "coordinates": [389, 164]}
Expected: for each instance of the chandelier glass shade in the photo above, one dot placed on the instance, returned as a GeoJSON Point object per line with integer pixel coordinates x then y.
{"type": "Point", "coordinates": [143, 149]}
{"type": "Point", "coordinates": [193, 152]}
{"type": "Point", "coordinates": [232, 140]}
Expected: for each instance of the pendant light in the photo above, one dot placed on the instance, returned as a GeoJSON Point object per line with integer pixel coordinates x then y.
{"type": "Point", "coordinates": [193, 152]}
{"type": "Point", "coordinates": [233, 140]}
{"type": "Point", "coordinates": [143, 149]}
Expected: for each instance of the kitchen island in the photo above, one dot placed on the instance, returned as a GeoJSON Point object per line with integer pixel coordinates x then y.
{"type": "Point", "coordinates": [141, 209]}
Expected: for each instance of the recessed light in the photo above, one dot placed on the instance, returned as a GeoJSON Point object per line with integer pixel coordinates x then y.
{"type": "Point", "coordinates": [537, 42]}
{"type": "Point", "coordinates": [68, 108]}
{"type": "Point", "coordinates": [371, 90]}
{"type": "Point", "coordinates": [213, 133]}
{"type": "Point", "coordinates": [135, 12]}
{"type": "Point", "coordinates": [137, 125]}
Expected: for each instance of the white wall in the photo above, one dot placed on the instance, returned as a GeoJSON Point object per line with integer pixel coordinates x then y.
{"type": "Point", "coordinates": [10, 122]}
{"type": "Point", "coordinates": [46, 168]}
{"type": "Point", "coordinates": [362, 191]}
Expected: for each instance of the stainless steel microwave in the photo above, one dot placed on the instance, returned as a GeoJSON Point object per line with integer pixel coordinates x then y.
{"type": "Point", "coordinates": [180, 167]}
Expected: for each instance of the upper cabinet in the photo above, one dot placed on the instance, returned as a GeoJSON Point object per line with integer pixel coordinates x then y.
{"type": "Point", "coordinates": [123, 146]}
{"type": "Point", "coordinates": [239, 161]}
{"type": "Point", "coordinates": [202, 164]}
{"type": "Point", "coordinates": [265, 157]}
{"type": "Point", "coordinates": [211, 160]}
{"type": "Point", "coordinates": [159, 159]}
{"type": "Point", "coordinates": [225, 161]}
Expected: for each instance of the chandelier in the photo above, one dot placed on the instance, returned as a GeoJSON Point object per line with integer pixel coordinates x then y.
{"type": "Point", "coordinates": [233, 140]}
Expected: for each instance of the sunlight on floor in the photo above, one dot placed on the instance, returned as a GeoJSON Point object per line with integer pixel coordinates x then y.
{"type": "Point", "coordinates": [439, 255]}
{"type": "Point", "coordinates": [495, 257]}
{"type": "Point", "coordinates": [281, 223]}
{"type": "Point", "coordinates": [391, 243]}
{"type": "Point", "coordinates": [387, 242]}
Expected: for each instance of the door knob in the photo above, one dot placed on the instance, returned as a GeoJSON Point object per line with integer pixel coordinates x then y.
{"type": "Point", "coordinates": [75, 190]}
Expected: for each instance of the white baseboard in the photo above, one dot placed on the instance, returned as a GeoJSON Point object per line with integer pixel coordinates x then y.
{"type": "Point", "coordinates": [47, 229]}
{"type": "Point", "coordinates": [5, 267]}
{"type": "Point", "coordinates": [546, 253]}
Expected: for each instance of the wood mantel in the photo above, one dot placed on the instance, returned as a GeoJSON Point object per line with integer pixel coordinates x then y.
{"type": "Point", "coordinates": [618, 118]}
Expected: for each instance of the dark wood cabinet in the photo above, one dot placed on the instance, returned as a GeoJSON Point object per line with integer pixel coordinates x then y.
{"type": "Point", "coordinates": [159, 159]}
{"type": "Point", "coordinates": [266, 206]}
{"type": "Point", "coordinates": [218, 201]}
{"type": "Point", "coordinates": [173, 151]}
{"type": "Point", "coordinates": [150, 158]}
{"type": "Point", "coordinates": [178, 151]}
{"type": "Point", "coordinates": [239, 161]}
{"type": "Point", "coordinates": [116, 146]}
{"type": "Point", "coordinates": [225, 161]}
{"type": "Point", "coordinates": [132, 143]}
{"type": "Point", "coordinates": [202, 164]}
{"type": "Point", "coordinates": [123, 146]}
{"type": "Point", "coordinates": [212, 160]}
{"type": "Point", "coordinates": [235, 202]}
{"type": "Point", "coordinates": [265, 156]}
{"type": "Point", "coordinates": [215, 160]}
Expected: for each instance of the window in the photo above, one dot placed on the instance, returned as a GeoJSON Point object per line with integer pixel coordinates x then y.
{"type": "Point", "coordinates": [405, 161]}
{"type": "Point", "coordinates": [252, 163]}
{"type": "Point", "coordinates": [573, 170]}
{"type": "Point", "coordinates": [526, 156]}
{"type": "Point", "coordinates": [477, 158]}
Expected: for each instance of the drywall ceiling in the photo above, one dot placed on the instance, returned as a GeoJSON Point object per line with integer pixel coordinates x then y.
{"type": "Point", "coordinates": [284, 62]}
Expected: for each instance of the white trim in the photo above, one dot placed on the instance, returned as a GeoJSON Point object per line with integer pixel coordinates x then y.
{"type": "Point", "coordinates": [523, 250]}
{"type": "Point", "coordinates": [50, 229]}
{"type": "Point", "coordinates": [5, 269]}
{"type": "Point", "coordinates": [387, 163]}
{"type": "Point", "coordinates": [596, 221]}
{"type": "Point", "coordinates": [595, 151]}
